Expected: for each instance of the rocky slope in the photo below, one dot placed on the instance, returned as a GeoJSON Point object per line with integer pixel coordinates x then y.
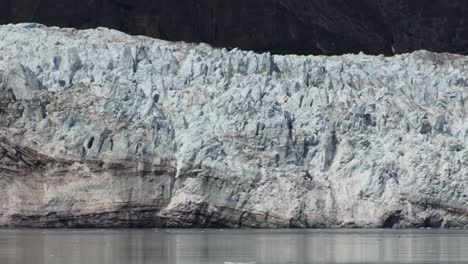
{"type": "Point", "coordinates": [99, 128]}
{"type": "Point", "coordinates": [278, 26]}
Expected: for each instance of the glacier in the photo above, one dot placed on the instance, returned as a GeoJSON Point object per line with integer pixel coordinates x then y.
{"type": "Point", "coordinates": [103, 129]}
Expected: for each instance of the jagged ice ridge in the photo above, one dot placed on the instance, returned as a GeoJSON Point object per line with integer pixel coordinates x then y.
{"type": "Point", "coordinates": [102, 129]}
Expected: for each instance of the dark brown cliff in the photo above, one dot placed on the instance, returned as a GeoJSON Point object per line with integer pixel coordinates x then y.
{"type": "Point", "coordinates": [279, 26]}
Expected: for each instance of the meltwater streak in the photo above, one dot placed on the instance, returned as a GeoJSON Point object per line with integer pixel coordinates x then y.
{"type": "Point", "coordinates": [232, 246]}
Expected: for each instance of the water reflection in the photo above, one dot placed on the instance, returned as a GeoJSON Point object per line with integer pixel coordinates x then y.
{"type": "Point", "coordinates": [219, 246]}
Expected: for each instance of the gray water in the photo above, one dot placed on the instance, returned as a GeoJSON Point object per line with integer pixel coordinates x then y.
{"type": "Point", "coordinates": [220, 246]}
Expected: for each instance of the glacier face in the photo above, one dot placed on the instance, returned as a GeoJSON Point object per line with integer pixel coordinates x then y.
{"type": "Point", "coordinates": [98, 128]}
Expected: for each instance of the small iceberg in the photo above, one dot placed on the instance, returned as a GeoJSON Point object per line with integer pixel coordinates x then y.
{"type": "Point", "coordinates": [240, 262]}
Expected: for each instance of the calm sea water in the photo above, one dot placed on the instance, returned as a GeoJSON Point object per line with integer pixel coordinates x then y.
{"type": "Point", "coordinates": [237, 246]}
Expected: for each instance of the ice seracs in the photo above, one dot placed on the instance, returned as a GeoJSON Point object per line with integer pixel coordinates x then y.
{"type": "Point", "coordinates": [99, 128]}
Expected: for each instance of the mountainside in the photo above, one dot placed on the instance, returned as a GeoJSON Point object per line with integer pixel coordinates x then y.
{"type": "Point", "coordinates": [101, 129]}
{"type": "Point", "coordinates": [279, 26]}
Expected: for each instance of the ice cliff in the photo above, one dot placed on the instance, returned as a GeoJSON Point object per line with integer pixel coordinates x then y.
{"type": "Point", "coordinates": [101, 129]}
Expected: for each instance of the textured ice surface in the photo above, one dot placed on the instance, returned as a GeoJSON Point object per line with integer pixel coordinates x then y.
{"type": "Point", "coordinates": [99, 128]}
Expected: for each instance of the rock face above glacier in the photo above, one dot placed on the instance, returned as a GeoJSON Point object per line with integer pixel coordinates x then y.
{"type": "Point", "coordinates": [98, 128]}
{"type": "Point", "coordinates": [329, 27]}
